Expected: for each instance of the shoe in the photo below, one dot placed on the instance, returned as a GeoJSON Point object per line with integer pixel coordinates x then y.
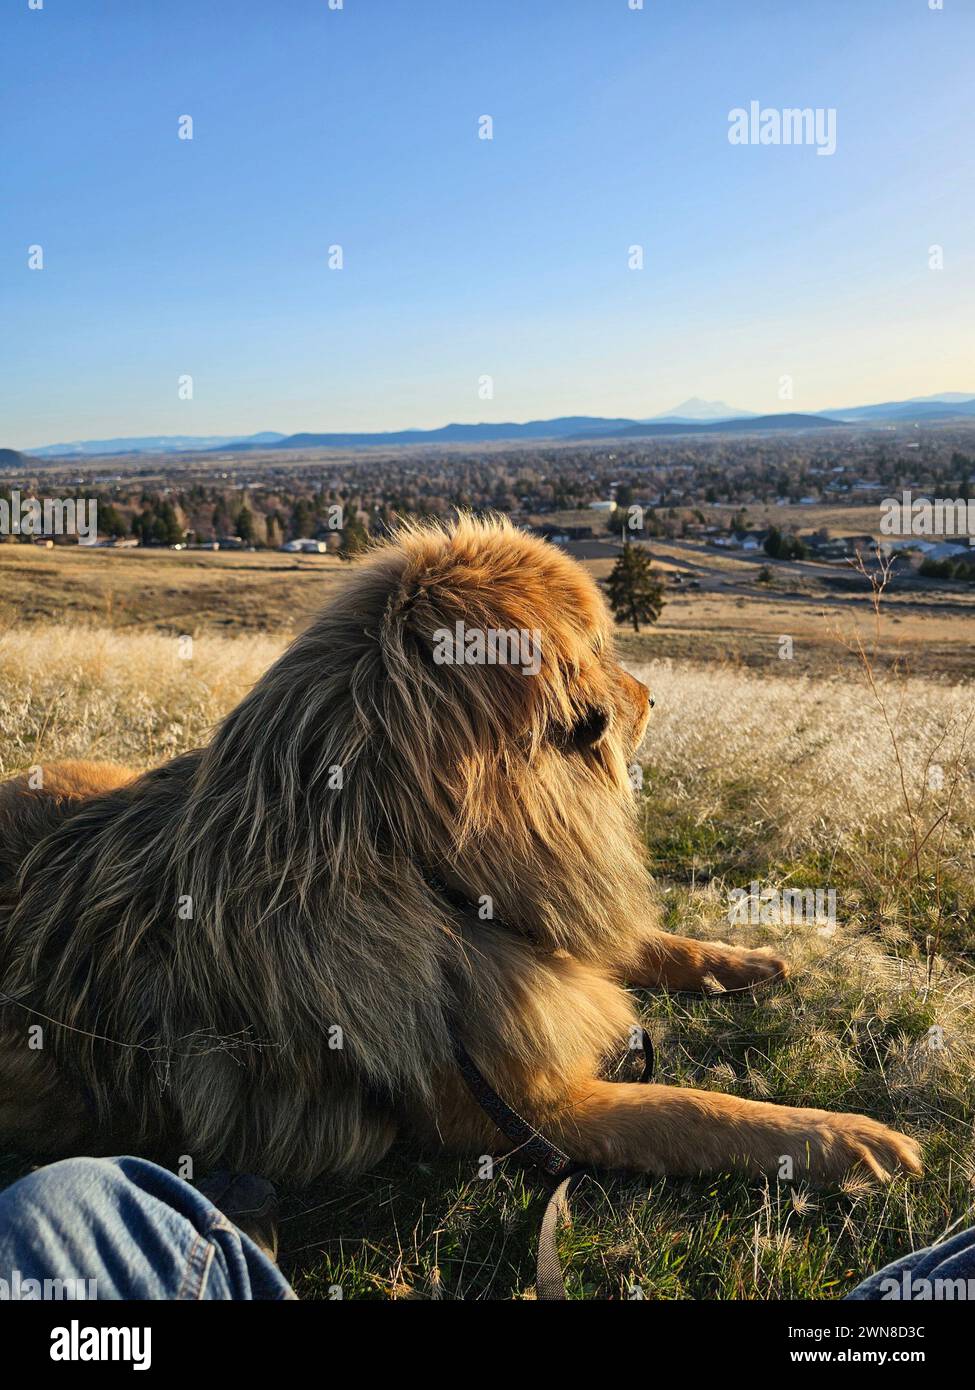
{"type": "Point", "coordinates": [250, 1202]}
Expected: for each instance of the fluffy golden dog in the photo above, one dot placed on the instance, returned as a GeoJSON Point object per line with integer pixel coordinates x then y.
{"type": "Point", "coordinates": [255, 954]}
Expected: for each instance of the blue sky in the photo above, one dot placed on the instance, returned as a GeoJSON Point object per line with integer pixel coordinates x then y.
{"type": "Point", "coordinates": [467, 258]}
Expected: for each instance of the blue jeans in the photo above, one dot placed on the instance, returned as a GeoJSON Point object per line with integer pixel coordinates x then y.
{"type": "Point", "coordinates": [124, 1228]}
{"type": "Point", "coordinates": [938, 1273]}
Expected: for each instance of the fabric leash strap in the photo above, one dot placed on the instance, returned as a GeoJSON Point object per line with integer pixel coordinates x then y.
{"type": "Point", "coordinates": [526, 1139]}
{"type": "Point", "coordinates": [549, 1281]}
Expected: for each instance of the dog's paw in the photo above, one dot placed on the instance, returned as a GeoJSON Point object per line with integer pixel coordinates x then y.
{"type": "Point", "coordinates": [837, 1145]}
{"type": "Point", "coordinates": [734, 967]}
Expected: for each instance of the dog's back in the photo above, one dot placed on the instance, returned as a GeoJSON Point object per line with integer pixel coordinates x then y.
{"type": "Point", "coordinates": [35, 803]}
{"type": "Point", "coordinates": [36, 1107]}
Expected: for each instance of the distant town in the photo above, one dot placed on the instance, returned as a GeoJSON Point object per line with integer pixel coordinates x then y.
{"type": "Point", "coordinates": [745, 492]}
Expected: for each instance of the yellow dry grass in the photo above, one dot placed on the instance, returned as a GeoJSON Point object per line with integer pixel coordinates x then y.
{"type": "Point", "coordinates": [787, 779]}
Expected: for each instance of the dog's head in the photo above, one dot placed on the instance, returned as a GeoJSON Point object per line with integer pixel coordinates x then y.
{"type": "Point", "coordinates": [462, 681]}
{"type": "Point", "coordinates": [497, 652]}
{"type": "Point", "coordinates": [457, 711]}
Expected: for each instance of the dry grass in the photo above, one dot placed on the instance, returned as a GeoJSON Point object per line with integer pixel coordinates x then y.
{"type": "Point", "coordinates": [731, 618]}
{"type": "Point", "coordinates": [76, 692]}
{"type": "Point", "coordinates": [163, 590]}
{"type": "Point", "coordinates": [791, 781]}
{"type": "Point", "coordinates": [815, 752]}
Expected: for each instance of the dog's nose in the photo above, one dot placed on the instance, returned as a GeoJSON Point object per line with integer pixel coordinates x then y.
{"type": "Point", "coordinates": [651, 701]}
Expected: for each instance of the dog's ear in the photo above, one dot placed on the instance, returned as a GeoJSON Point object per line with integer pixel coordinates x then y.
{"type": "Point", "coordinates": [589, 729]}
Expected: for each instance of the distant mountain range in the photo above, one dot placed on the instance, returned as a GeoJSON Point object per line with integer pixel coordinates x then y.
{"type": "Point", "coordinates": [952, 405]}
{"type": "Point", "coordinates": [154, 444]}
{"type": "Point", "coordinates": [746, 424]}
{"type": "Point", "coordinates": [693, 416]}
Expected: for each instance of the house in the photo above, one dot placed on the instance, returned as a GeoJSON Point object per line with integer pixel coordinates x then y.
{"type": "Point", "coordinates": [742, 540]}
{"type": "Point", "coordinates": [910, 543]}
{"type": "Point", "coordinates": [839, 547]}
{"type": "Point", "coordinates": [947, 550]}
{"type": "Point", "coordinates": [301, 545]}
{"type": "Point", "coordinates": [560, 535]}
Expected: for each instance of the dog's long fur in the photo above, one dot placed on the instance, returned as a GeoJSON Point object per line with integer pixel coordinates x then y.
{"type": "Point", "coordinates": [243, 955]}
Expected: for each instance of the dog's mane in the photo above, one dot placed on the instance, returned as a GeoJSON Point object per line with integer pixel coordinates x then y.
{"type": "Point", "coordinates": [199, 936]}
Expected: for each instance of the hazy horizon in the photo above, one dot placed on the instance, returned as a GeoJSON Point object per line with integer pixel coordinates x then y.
{"type": "Point", "coordinates": [464, 258]}
{"type": "Point", "coordinates": [948, 397]}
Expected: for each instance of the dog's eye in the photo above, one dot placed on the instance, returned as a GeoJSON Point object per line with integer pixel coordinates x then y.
{"type": "Point", "coordinates": [589, 728]}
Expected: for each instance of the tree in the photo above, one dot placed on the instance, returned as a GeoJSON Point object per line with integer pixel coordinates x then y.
{"type": "Point", "coordinates": [783, 547]}
{"type": "Point", "coordinates": [303, 519]}
{"type": "Point", "coordinates": [245, 525]}
{"type": "Point", "coordinates": [635, 594]}
{"type": "Point", "coordinates": [169, 530]}
{"type": "Point", "coordinates": [110, 520]}
{"type": "Point", "coordinates": [355, 537]}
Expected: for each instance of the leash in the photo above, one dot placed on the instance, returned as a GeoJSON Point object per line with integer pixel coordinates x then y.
{"type": "Point", "coordinates": [530, 1143]}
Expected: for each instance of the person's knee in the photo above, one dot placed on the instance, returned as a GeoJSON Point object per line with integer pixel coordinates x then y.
{"type": "Point", "coordinates": [73, 1182]}
{"type": "Point", "coordinates": [77, 1173]}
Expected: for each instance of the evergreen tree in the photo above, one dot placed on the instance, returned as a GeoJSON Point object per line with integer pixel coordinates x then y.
{"type": "Point", "coordinates": [245, 525]}
{"type": "Point", "coordinates": [783, 547]}
{"type": "Point", "coordinates": [171, 531]}
{"type": "Point", "coordinates": [110, 520]}
{"type": "Point", "coordinates": [635, 594]}
{"type": "Point", "coordinates": [303, 519]}
{"type": "Point", "coordinates": [355, 537]}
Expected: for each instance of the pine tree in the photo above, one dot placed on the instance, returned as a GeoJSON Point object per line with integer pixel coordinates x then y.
{"type": "Point", "coordinates": [635, 593]}
{"type": "Point", "coordinates": [355, 537]}
{"type": "Point", "coordinates": [245, 525]}
{"type": "Point", "coordinates": [170, 530]}
{"type": "Point", "coordinates": [110, 520]}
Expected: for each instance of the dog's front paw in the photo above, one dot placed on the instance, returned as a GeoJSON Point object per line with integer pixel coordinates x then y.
{"type": "Point", "coordinates": [840, 1144]}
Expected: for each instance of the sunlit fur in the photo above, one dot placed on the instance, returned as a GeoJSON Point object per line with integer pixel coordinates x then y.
{"type": "Point", "coordinates": [192, 940]}
{"type": "Point", "coordinates": [197, 933]}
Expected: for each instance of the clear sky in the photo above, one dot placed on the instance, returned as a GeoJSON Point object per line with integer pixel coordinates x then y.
{"type": "Point", "coordinates": [463, 257]}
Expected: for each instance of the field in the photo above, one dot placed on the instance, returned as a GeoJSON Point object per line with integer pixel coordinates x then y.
{"type": "Point", "coordinates": [720, 612]}
{"type": "Point", "coordinates": [789, 773]}
{"type": "Point", "coordinates": [163, 590]}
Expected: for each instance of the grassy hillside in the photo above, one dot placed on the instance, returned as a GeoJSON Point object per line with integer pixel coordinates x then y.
{"type": "Point", "coordinates": [731, 615]}
{"type": "Point", "coordinates": [163, 590]}
{"type": "Point", "coordinates": [797, 782]}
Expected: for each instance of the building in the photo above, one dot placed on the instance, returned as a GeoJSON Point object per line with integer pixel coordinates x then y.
{"type": "Point", "coordinates": [304, 546]}
{"type": "Point", "coordinates": [561, 535]}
